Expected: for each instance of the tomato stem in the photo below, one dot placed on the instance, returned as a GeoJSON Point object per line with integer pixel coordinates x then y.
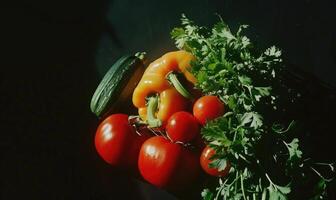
{"type": "Point", "coordinates": [152, 105]}
{"type": "Point", "coordinates": [135, 120]}
{"type": "Point", "coordinates": [172, 78]}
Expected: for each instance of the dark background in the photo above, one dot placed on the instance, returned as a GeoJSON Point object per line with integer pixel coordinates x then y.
{"type": "Point", "coordinates": [55, 52]}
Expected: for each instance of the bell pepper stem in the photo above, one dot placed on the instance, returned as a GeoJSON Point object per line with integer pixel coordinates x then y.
{"type": "Point", "coordinates": [172, 78]}
{"type": "Point", "coordinates": [152, 105]}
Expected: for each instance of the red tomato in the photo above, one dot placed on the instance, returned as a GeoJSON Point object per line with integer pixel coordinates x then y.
{"type": "Point", "coordinates": [182, 126]}
{"type": "Point", "coordinates": [206, 155]}
{"type": "Point", "coordinates": [208, 108]}
{"type": "Point", "coordinates": [117, 142]}
{"type": "Point", "coordinates": [167, 165]}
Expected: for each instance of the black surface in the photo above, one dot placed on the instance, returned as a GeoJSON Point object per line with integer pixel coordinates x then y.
{"type": "Point", "coordinates": [55, 53]}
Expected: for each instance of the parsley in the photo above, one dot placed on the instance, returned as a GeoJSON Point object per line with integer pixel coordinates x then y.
{"type": "Point", "coordinates": [295, 154]}
{"type": "Point", "coordinates": [228, 65]}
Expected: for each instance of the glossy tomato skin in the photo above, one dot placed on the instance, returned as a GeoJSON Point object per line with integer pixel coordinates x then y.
{"type": "Point", "coordinates": [205, 160]}
{"type": "Point", "coordinates": [167, 165]}
{"type": "Point", "coordinates": [117, 142]}
{"type": "Point", "coordinates": [208, 108]}
{"type": "Point", "coordinates": [183, 127]}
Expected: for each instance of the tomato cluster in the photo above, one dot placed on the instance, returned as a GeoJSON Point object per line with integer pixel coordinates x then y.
{"type": "Point", "coordinates": [170, 158]}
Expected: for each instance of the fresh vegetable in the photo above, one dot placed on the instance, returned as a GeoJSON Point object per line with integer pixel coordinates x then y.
{"type": "Point", "coordinates": [118, 143]}
{"type": "Point", "coordinates": [172, 93]}
{"type": "Point", "coordinates": [161, 107]}
{"type": "Point", "coordinates": [168, 165]}
{"type": "Point", "coordinates": [208, 108]}
{"type": "Point", "coordinates": [183, 127]}
{"type": "Point", "coordinates": [266, 157]}
{"type": "Point", "coordinates": [117, 85]}
{"type": "Point", "coordinates": [248, 148]}
{"type": "Point", "coordinates": [206, 159]}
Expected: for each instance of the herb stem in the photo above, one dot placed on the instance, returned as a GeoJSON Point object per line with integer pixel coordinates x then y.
{"type": "Point", "coordinates": [242, 186]}
{"type": "Point", "coordinates": [228, 65]}
{"type": "Point", "coordinates": [320, 175]}
{"type": "Point", "coordinates": [236, 183]}
{"type": "Point", "coordinates": [269, 179]}
{"type": "Point", "coordinates": [263, 196]}
{"type": "Point", "coordinates": [330, 165]}
{"type": "Point", "coordinates": [220, 189]}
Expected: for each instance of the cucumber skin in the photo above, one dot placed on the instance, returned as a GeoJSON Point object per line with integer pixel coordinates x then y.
{"type": "Point", "coordinates": [114, 81]}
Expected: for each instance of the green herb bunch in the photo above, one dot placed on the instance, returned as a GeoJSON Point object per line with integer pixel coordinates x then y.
{"type": "Point", "coordinates": [266, 160]}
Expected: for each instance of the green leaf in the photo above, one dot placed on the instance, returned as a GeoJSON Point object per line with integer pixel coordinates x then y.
{"type": "Point", "coordinates": [180, 37]}
{"type": "Point", "coordinates": [177, 33]}
{"type": "Point", "coordinates": [219, 164]}
{"type": "Point", "coordinates": [245, 41]}
{"type": "Point", "coordinates": [246, 118]}
{"type": "Point", "coordinates": [273, 51]}
{"type": "Point", "coordinates": [257, 121]}
{"type": "Point", "coordinates": [284, 189]}
{"type": "Point", "coordinates": [295, 154]}
{"type": "Point", "coordinates": [223, 31]}
{"type": "Point", "coordinates": [322, 185]}
{"type": "Point", "coordinates": [241, 28]}
{"type": "Point", "coordinates": [276, 195]}
{"type": "Point", "coordinates": [228, 65]}
{"type": "Point", "coordinates": [263, 91]}
{"type": "Point", "coordinates": [238, 196]}
{"type": "Point", "coordinates": [277, 192]}
{"type": "Point", "coordinates": [293, 149]}
{"type": "Point", "coordinates": [232, 102]}
{"type": "Point", "coordinates": [212, 66]}
{"type": "Point", "coordinates": [207, 194]}
{"type": "Point", "coordinates": [202, 76]}
{"type": "Point", "coordinates": [254, 119]}
{"type": "Point", "coordinates": [244, 80]}
{"type": "Point", "coordinates": [320, 190]}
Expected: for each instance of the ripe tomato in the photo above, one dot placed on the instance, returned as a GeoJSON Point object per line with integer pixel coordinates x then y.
{"type": "Point", "coordinates": [117, 142]}
{"type": "Point", "coordinates": [206, 155]}
{"type": "Point", "coordinates": [167, 165]}
{"type": "Point", "coordinates": [182, 126]}
{"type": "Point", "coordinates": [208, 108]}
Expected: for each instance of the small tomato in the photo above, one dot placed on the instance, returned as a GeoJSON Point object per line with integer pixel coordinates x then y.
{"type": "Point", "coordinates": [183, 127]}
{"type": "Point", "coordinates": [208, 108]}
{"type": "Point", "coordinates": [205, 160]}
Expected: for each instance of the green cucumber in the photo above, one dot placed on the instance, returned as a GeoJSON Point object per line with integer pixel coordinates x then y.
{"type": "Point", "coordinates": [117, 85]}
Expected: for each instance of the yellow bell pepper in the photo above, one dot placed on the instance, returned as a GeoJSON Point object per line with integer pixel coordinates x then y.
{"type": "Point", "coordinates": [159, 94]}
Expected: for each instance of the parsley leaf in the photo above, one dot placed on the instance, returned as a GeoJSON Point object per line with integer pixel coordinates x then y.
{"type": "Point", "coordinates": [229, 66]}
{"type": "Point", "coordinates": [295, 154]}
{"type": "Point", "coordinates": [207, 194]}
{"type": "Point", "coordinates": [252, 118]}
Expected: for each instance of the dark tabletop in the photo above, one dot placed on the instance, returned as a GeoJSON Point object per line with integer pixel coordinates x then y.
{"type": "Point", "coordinates": [56, 52]}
